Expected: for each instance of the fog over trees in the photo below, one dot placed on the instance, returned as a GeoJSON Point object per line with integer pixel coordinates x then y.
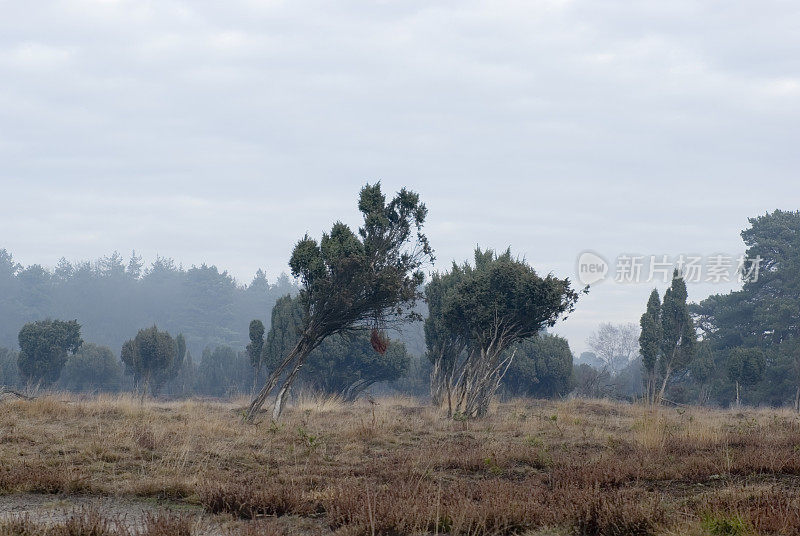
{"type": "Point", "coordinates": [115, 324]}
{"type": "Point", "coordinates": [112, 298]}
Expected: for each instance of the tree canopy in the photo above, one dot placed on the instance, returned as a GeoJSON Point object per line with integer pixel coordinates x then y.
{"type": "Point", "coordinates": [44, 349]}
{"type": "Point", "coordinates": [222, 371]}
{"type": "Point", "coordinates": [149, 356]}
{"type": "Point", "coordinates": [745, 367]}
{"type": "Point", "coordinates": [542, 367]}
{"type": "Point", "coordinates": [92, 367]}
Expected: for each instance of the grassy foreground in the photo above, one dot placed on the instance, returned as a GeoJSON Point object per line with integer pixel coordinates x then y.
{"type": "Point", "coordinates": [395, 467]}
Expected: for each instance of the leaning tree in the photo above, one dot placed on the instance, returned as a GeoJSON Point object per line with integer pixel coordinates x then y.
{"type": "Point", "coordinates": [352, 281]}
{"type": "Point", "coordinates": [493, 305]}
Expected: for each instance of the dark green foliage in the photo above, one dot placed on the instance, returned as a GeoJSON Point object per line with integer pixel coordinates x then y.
{"type": "Point", "coordinates": [349, 279]}
{"type": "Point", "coordinates": [168, 376]}
{"type": "Point", "coordinates": [679, 339]}
{"type": "Point", "coordinates": [285, 327]}
{"type": "Point", "coordinates": [344, 365]}
{"type": "Point", "coordinates": [542, 368]}
{"type": "Point", "coordinates": [416, 381]}
{"type": "Point", "coordinates": [184, 382]}
{"type": "Point", "coordinates": [149, 357]}
{"type": "Point", "coordinates": [775, 238]}
{"type": "Point", "coordinates": [703, 370]}
{"type": "Point", "coordinates": [677, 328]}
{"type": "Point", "coordinates": [109, 296]}
{"type": "Point", "coordinates": [745, 367]}
{"type": "Point", "coordinates": [92, 368]}
{"type": "Point", "coordinates": [505, 295]}
{"type": "Point", "coordinates": [256, 346]}
{"type": "Point", "coordinates": [9, 375]}
{"type": "Point", "coordinates": [44, 348]}
{"type": "Point", "coordinates": [787, 363]}
{"type": "Point", "coordinates": [650, 340]}
{"type": "Point", "coordinates": [180, 347]}
{"type": "Point", "coordinates": [223, 372]}
{"type": "Point", "coordinates": [255, 349]}
{"type": "Point", "coordinates": [702, 366]}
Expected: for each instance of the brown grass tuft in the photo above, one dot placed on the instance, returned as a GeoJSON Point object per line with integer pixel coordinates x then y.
{"type": "Point", "coordinates": [251, 499]}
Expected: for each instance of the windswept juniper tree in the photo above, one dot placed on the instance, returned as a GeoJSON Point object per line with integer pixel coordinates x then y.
{"type": "Point", "coordinates": [482, 312]}
{"type": "Point", "coordinates": [355, 281]}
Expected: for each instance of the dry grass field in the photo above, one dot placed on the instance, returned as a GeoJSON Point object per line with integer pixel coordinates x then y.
{"type": "Point", "coordinates": [395, 467]}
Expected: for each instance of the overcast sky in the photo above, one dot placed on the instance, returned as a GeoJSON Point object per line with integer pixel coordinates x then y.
{"type": "Point", "coordinates": [221, 132]}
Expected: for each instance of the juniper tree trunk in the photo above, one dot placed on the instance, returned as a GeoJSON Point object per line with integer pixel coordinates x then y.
{"type": "Point", "coordinates": [437, 383]}
{"type": "Point", "coordinates": [664, 385]}
{"type": "Point", "coordinates": [449, 398]}
{"type": "Point", "coordinates": [480, 381]}
{"type": "Point", "coordinates": [296, 356]}
{"type": "Point", "coordinates": [277, 408]}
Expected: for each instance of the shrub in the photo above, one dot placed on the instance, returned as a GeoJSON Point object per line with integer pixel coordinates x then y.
{"type": "Point", "coordinates": [720, 525]}
{"type": "Point", "coordinates": [92, 367]}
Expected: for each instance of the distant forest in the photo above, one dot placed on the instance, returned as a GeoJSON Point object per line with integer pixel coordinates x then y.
{"type": "Point", "coordinates": [727, 349]}
{"type": "Point", "coordinates": [113, 298]}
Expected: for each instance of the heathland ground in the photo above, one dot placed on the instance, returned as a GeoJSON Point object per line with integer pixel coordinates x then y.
{"type": "Point", "coordinates": [117, 466]}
